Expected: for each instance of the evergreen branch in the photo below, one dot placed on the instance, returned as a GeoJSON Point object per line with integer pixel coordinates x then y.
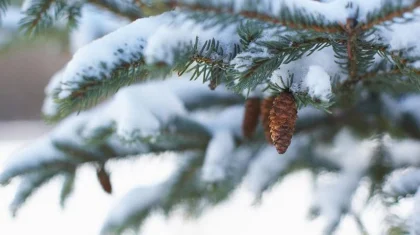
{"type": "Point", "coordinates": [37, 16]}
{"type": "Point", "coordinates": [92, 90]}
{"type": "Point", "coordinates": [127, 10]}
{"type": "Point", "coordinates": [296, 19]}
{"type": "Point", "coordinates": [249, 32]}
{"type": "Point", "coordinates": [67, 188]}
{"type": "Point", "coordinates": [28, 185]}
{"type": "Point", "coordinates": [284, 51]}
{"type": "Point", "coordinates": [388, 12]}
{"type": "Point", "coordinates": [210, 62]}
{"type": "Point", "coordinates": [3, 6]}
{"type": "Point", "coordinates": [42, 14]}
{"type": "Point", "coordinates": [52, 164]}
{"type": "Point", "coordinates": [360, 53]}
{"type": "Point", "coordinates": [398, 72]}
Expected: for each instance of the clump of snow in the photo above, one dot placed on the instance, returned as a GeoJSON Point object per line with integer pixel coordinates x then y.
{"type": "Point", "coordinates": [138, 111]}
{"type": "Point", "coordinates": [318, 83]}
{"type": "Point", "coordinates": [401, 36]}
{"type": "Point", "coordinates": [403, 182]}
{"type": "Point", "coordinates": [101, 56]}
{"type": "Point", "coordinates": [93, 24]}
{"type": "Point", "coordinates": [218, 156]}
{"type": "Point", "coordinates": [166, 40]}
{"type": "Point", "coordinates": [33, 156]}
{"type": "Point", "coordinates": [403, 152]}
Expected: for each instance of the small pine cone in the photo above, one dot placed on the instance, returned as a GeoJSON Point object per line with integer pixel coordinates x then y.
{"type": "Point", "coordinates": [213, 84]}
{"type": "Point", "coordinates": [266, 105]}
{"type": "Point", "coordinates": [283, 117]}
{"type": "Point", "coordinates": [252, 112]}
{"type": "Point", "coordinates": [104, 179]}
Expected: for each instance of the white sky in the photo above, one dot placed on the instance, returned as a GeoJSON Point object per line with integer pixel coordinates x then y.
{"type": "Point", "coordinates": [283, 210]}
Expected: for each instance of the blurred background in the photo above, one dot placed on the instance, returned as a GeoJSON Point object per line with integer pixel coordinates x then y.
{"type": "Point", "coordinates": [26, 66]}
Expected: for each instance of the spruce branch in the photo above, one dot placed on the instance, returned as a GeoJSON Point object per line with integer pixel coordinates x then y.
{"type": "Point", "coordinates": [92, 90]}
{"type": "Point", "coordinates": [3, 6]}
{"type": "Point", "coordinates": [394, 71]}
{"type": "Point", "coordinates": [387, 12]}
{"type": "Point", "coordinates": [209, 62]}
{"type": "Point", "coordinates": [67, 187]}
{"type": "Point", "coordinates": [38, 16]}
{"type": "Point", "coordinates": [294, 19]}
{"type": "Point", "coordinates": [28, 185]}
{"type": "Point", "coordinates": [283, 51]}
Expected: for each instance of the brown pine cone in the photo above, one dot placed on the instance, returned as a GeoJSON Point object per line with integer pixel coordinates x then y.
{"type": "Point", "coordinates": [252, 112]}
{"type": "Point", "coordinates": [266, 105]}
{"type": "Point", "coordinates": [283, 117]}
{"type": "Point", "coordinates": [104, 179]}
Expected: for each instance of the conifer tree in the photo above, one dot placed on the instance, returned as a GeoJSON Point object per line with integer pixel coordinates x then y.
{"type": "Point", "coordinates": [241, 90]}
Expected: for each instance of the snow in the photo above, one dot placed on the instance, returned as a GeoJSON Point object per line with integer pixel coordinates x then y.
{"type": "Point", "coordinates": [138, 111]}
{"type": "Point", "coordinates": [269, 165]}
{"type": "Point", "coordinates": [10, 19]}
{"type": "Point", "coordinates": [403, 152]}
{"type": "Point", "coordinates": [415, 215]}
{"type": "Point", "coordinates": [409, 104]}
{"type": "Point", "coordinates": [402, 182]}
{"type": "Point", "coordinates": [401, 36]}
{"type": "Point", "coordinates": [141, 199]}
{"type": "Point", "coordinates": [348, 151]}
{"type": "Point", "coordinates": [165, 40]}
{"type": "Point", "coordinates": [37, 154]}
{"type": "Point", "coordinates": [50, 107]}
{"type": "Point", "coordinates": [218, 156]}
{"type": "Point", "coordinates": [134, 203]}
{"type": "Point", "coordinates": [317, 81]}
{"type": "Point", "coordinates": [195, 92]}
{"type": "Point", "coordinates": [100, 57]}
{"type": "Point", "coordinates": [334, 198]}
{"type": "Point", "coordinates": [9, 25]}
{"type": "Point", "coordinates": [93, 24]}
{"type": "Point", "coordinates": [227, 119]}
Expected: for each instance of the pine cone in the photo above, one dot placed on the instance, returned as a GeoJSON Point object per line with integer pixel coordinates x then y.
{"type": "Point", "coordinates": [283, 117]}
{"type": "Point", "coordinates": [252, 112]}
{"type": "Point", "coordinates": [266, 105]}
{"type": "Point", "coordinates": [104, 180]}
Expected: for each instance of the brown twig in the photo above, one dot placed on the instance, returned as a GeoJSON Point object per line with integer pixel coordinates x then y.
{"type": "Point", "coordinates": [352, 35]}
{"type": "Point", "coordinates": [39, 15]}
{"type": "Point", "coordinates": [256, 16]}
{"type": "Point", "coordinates": [394, 14]}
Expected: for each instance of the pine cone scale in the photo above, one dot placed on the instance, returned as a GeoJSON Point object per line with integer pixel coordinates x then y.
{"type": "Point", "coordinates": [266, 106]}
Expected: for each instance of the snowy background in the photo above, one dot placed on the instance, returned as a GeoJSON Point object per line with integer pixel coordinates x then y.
{"type": "Point", "coordinates": [284, 209]}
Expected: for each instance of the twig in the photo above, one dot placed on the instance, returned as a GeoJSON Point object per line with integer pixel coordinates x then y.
{"type": "Point", "coordinates": [256, 16]}
{"type": "Point", "coordinates": [391, 15]}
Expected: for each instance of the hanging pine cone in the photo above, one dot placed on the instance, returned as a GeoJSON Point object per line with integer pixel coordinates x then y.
{"type": "Point", "coordinates": [252, 112]}
{"type": "Point", "coordinates": [266, 105]}
{"type": "Point", "coordinates": [104, 179]}
{"type": "Point", "coordinates": [283, 117]}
